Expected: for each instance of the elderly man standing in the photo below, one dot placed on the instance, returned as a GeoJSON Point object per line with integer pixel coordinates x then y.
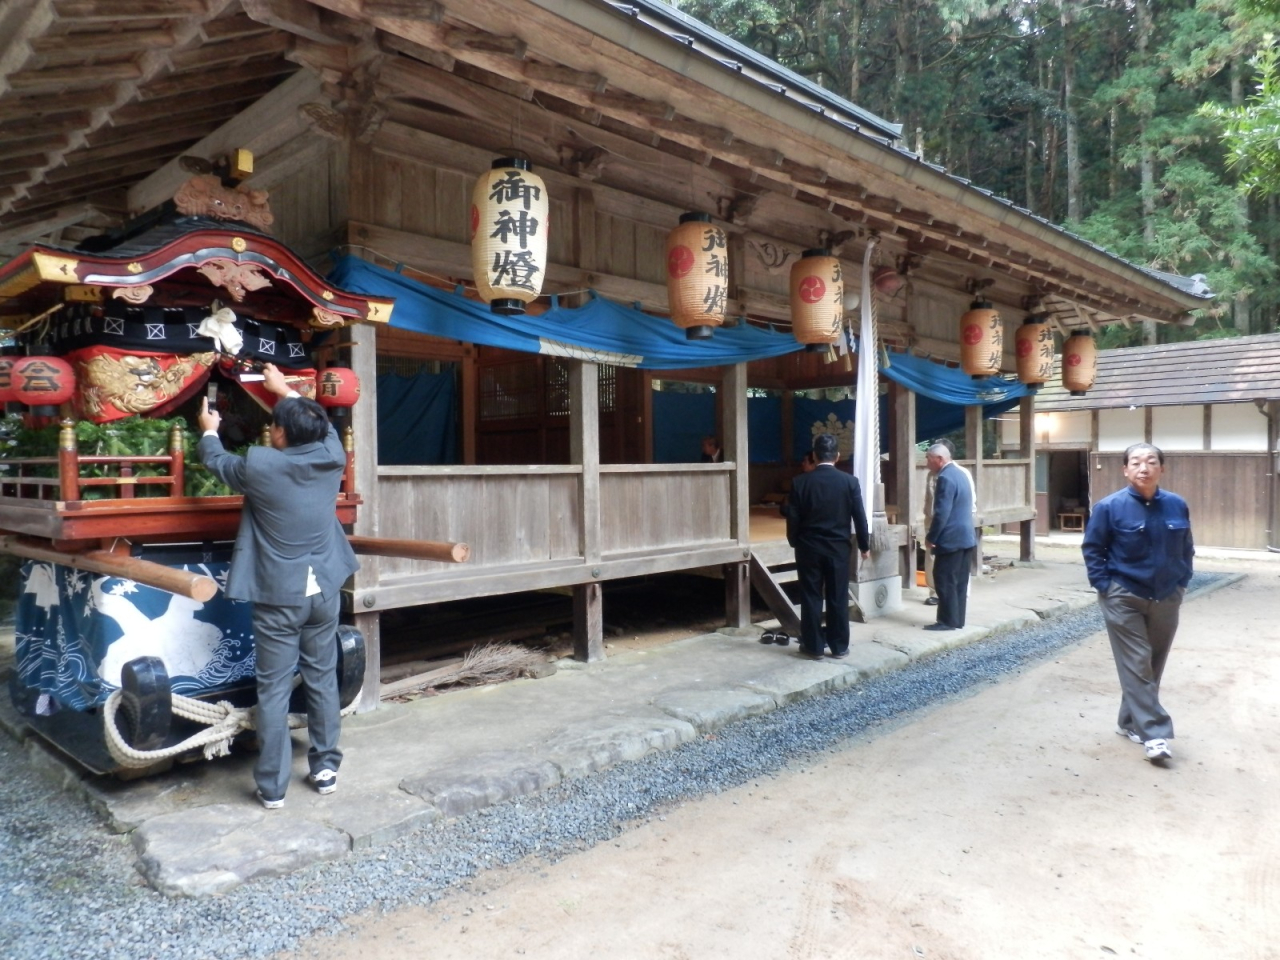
{"type": "Point", "coordinates": [824, 510]}
{"type": "Point", "coordinates": [291, 559]}
{"type": "Point", "coordinates": [932, 600]}
{"type": "Point", "coordinates": [1137, 550]}
{"type": "Point", "coordinates": [950, 537]}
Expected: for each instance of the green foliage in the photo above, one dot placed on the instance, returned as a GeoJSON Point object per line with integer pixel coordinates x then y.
{"type": "Point", "coordinates": [1249, 131]}
{"type": "Point", "coordinates": [131, 436]}
{"type": "Point", "coordinates": [1156, 86]}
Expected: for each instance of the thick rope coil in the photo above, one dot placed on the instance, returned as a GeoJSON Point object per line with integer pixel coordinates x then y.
{"type": "Point", "coordinates": [225, 723]}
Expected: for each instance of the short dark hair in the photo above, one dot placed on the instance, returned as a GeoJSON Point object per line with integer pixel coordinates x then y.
{"type": "Point", "coordinates": [1136, 447]}
{"type": "Point", "coordinates": [302, 420]}
{"type": "Point", "coordinates": [825, 448]}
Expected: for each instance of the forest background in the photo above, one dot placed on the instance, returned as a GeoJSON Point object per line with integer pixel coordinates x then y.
{"type": "Point", "coordinates": [1150, 127]}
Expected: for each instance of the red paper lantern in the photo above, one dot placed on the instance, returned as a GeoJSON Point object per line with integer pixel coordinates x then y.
{"type": "Point", "coordinates": [337, 388]}
{"type": "Point", "coordinates": [43, 382]}
{"type": "Point", "coordinates": [6, 379]}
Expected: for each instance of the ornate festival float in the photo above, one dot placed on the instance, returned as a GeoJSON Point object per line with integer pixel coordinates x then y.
{"type": "Point", "coordinates": [127, 652]}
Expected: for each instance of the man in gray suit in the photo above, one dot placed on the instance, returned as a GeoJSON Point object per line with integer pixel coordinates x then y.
{"type": "Point", "coordinates": [291, 559]}
{"type": "Point", "coordinates": [951, 538]}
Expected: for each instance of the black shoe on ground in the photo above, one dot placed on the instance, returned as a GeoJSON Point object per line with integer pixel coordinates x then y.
{"type": "Point", "coordinates": [931, 602]}
{"type": "Point", "coordinates": [839, 656]}
{"type": "Point", "coordinates": [808, 654]}
{"type": "Point", "coordinates": [938, 626]}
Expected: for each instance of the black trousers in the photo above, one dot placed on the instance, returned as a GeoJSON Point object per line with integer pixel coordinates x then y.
{"type": "Point", "coordinates": [822, 575]}
{"type": "Point", "coordinates": [951, 581]}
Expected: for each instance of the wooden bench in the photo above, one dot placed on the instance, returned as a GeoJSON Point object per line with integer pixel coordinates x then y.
{"type": "Point", "coordinates": [1071, 520]}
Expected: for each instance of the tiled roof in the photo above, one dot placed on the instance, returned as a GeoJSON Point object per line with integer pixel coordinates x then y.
{"type": "Point", "coordinates": [1199, 371]}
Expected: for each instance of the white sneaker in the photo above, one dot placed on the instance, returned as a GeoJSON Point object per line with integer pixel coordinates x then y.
{"type": "Point", "coordinates": [325, 782]}
{"type": "Point", "coordinates": [1126, 732]}
{"type": "Point", "coordinates": [1157, 750]}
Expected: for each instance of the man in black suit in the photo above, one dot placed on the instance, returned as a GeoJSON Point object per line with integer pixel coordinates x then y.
{"type": "Point", "coordinates": [950, 537]}
{"type": "Point", "coordinates": [291, 559]}
{"type": "Point", "coordinates": [824, 509]}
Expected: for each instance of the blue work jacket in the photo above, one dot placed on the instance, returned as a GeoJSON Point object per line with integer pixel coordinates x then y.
{"type": "Point", "coordinates": [1143, 545]}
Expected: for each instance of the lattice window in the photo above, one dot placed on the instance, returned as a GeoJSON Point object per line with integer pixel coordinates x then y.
{"type": "Point", "coordinates": [509, 390]}
{"type": "Point", "coordinates": [410, 366]}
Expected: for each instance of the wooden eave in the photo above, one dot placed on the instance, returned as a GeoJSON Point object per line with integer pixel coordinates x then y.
{"type": "Point", "coordinates": [40, 273]}
{"type": "Point", "coordinates": [588, 90]}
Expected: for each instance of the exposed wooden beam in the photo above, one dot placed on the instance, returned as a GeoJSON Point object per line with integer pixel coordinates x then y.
{"type": "Point", "coordinates": [102, 44]}
{"type": "Point", "coordinates": [537, 71]}
{"type": "Point", "coordinates": [429, 55]}
{"type": "Point", "coordinates": [426, 11]}
{"type": "Point", "coordinates": [60, 78]}
{"type": "Point", "coordinates": [233, 51]}
{"type": "Point", "coordinates": [292, 16]}
{"type": "Point", "coordinates": [24, 232]}
{"type": "Point", "coordinates": [271, 121]}
{"type": "Point", "coordinates": [113, 11]}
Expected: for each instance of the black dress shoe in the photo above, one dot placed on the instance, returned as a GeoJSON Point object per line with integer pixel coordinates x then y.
{"type": "Point", "coordinates": [808, 654]}
{"type": "Point", "coordinates": [938, 626]}
{"type": "Point", "coordinates": [931, 602]}
{"type": "Point", "coordinates": [839, 656]}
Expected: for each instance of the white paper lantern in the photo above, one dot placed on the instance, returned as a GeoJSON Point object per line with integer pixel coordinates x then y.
{"type": "Point", "coordinates": [509, 212]}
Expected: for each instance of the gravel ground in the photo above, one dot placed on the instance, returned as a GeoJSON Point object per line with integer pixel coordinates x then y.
{"type": "Point", "coordinates": [68, 888]}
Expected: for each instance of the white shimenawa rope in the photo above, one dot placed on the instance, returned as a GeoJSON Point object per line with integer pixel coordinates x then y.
{"type": "Point", "coordinates": [225, 723]}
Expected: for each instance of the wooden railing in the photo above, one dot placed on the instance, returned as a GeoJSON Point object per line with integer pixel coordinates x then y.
{"type": "Point", "coordinates": [533, 514]}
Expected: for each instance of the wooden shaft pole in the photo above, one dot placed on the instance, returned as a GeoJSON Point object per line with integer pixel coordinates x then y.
{"type": "Point", "coordinates": [193, 585]}
{"type": "Point", "coordinates": [415, 549]}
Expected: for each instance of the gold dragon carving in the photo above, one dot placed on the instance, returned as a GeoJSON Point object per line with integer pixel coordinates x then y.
{"type": "Point", "coordinates": [134, 384]}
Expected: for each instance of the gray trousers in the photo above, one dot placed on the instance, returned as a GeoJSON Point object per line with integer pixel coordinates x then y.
{"type": "Point", "coordinates": [305, 636]}
{"type": "Point", "coordinates": [1141, 633]}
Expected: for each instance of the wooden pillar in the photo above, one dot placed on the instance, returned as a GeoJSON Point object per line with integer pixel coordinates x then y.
{"type": "Point", "coordinates": [646, 413]}
{"type": "Point", "coordinates": [584, 450]}
{"type": "Point", "coordinates": [1027, 450]}
{"type": "Point", "coordinates": [903, 419]}
{"type": "Point", "coordinates": [468, 386]}
{"type": "Point", "coordinates": [973, 446]}
{"type": "Point", "coordinates": [788, 433]}
{"type": "Point", "coordinates": [588, 622]}
{"type": "Point", "coordinates": [734, 397]}
{"type": "Point", "coordinates": [737, 594]}
{"type": "Point", "coordinates": [364, 420]}
{"type": "Point", "coordinates": [737, 579]}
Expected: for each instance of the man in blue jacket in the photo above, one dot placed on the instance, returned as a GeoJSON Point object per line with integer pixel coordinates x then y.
{"type": "Point", "coordinates": [950, 537]}
{"type": "Point", "coordinates": [825, 509]}
{"type": "Point", "coordinates": [1138, 550]}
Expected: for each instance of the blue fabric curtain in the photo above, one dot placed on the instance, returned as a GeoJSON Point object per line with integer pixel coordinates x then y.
{"type": "Point", "coordinates": [680, 421]}
{"type": "Point", "coordinates": [600, 331]}
{"type": "Point", "coordinates": [417, 423]}
{"type": "Point", "coordinates": [764, 429]}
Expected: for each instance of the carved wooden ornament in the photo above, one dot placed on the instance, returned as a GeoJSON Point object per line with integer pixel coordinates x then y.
{"type": "Point", "coordinates": [205, 196]}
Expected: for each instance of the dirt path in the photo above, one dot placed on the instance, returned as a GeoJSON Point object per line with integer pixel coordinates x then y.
{"type": "Point", "coordinates": [1012, 823]}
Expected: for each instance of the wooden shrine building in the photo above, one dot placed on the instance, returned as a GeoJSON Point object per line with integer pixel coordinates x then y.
{"type": "Point", "coordinates": [370, 121]}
